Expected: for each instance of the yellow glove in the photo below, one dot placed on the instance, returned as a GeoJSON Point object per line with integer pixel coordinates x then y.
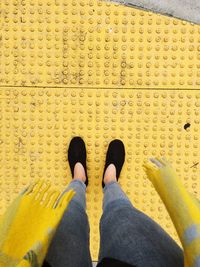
{"type": "Point", "coordinates": [29, 223]}
{"type": "Point", "coordinates": [183, 208]}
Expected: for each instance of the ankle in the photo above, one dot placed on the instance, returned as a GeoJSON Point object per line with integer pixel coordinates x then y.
{"type": "Point", "coordinates": [110, 174]}
{"type": "Point", "coordinates": [79, 172]}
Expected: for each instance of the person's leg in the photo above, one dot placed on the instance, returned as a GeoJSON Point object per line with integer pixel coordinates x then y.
{"type": "Point", "coordinates": [70, 246]}
{"type": "Point", "coordinates": [131, 236]}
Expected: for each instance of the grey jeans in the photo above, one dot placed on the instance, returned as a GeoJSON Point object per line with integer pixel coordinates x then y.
{"type": "Point", "coordinates": [126, 234]}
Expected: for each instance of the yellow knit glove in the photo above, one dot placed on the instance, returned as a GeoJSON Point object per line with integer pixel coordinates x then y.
{"type": "Point", "coordinates": [29, 223]}
{"type": "Point", "coordinates": [183, 208]}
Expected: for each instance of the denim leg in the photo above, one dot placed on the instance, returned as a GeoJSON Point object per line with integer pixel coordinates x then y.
{"type": "Point", "coordinates": [70, 245]}
{"type": "Point", "coordinates": [131, 236]}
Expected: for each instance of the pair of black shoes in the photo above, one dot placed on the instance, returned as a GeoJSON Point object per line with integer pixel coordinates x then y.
{"type": "Point", "coordinates": [115, 155]}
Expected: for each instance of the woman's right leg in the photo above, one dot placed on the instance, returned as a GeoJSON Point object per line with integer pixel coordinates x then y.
{"type": "Point", "coordinates": [70, 245]}
{"type": "Point", "coordinates": [131, 236]}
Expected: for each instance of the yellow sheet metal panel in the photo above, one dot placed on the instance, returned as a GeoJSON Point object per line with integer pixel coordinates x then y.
{"type": "Point", "coordinates": [37, 124]}
{"type": "Point", "coordinates": [95, 44]}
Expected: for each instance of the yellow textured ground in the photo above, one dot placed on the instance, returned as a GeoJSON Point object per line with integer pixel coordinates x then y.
{"type": "Point", "coordinates": [101, 71]}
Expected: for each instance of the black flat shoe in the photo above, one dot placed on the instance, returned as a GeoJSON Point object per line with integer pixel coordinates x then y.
{"type": "Point", "coordinates": [115, 155]}
{"type": "Point", "coordinates": [77, 153]}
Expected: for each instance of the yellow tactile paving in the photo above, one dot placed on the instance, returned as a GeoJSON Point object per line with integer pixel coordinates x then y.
{"type": "Point", "coordinates": [37, 124]}
{"type": "Point", "coordinates": [85, 68]}
{"type": "Point", "coordinates": [96, 44]}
